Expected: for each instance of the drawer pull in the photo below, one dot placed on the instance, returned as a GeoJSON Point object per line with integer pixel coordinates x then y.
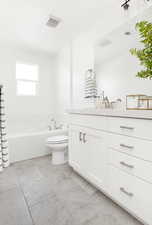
{"type": "Point", "coordinates": [126, 146]}
{"type": "Point", "coordinates": [84, 135]}
{"type": "Point", "coordinates": [126, 192]}
{"type": "Point", "coordinates": [127, 128]}
{"type": "Point", "coordinates": [126, 165]}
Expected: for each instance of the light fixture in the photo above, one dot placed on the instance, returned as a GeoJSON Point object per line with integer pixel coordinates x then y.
{"type": "Point", "coordinates": [126, 5]}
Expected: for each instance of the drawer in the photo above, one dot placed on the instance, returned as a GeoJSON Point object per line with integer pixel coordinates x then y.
{"type": "Point", "coordinates": [132, 193]}
{"type": "Point", "coordinates": [131, 127]}
{"type": "Point", "coordinates": [132, 146]}
{"type": "Point", "coordinates": [131, 165]}
{"type": "Point", "coordinates": [96, 122]}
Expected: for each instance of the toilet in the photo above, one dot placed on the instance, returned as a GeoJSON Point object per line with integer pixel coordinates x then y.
{"type": "Point", "coordinates": [59, 148]}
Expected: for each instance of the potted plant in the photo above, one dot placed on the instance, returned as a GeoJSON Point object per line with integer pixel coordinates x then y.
{"type": "Point", "coordinates": [145, 54]}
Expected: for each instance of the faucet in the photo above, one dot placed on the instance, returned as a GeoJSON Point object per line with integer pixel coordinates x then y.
{"type": "Point", "coordinates": [54, 126]}
{"type": "Point", "coordinates": [106, 102]}
{"type": "Point", "coordinates": [53, 121]}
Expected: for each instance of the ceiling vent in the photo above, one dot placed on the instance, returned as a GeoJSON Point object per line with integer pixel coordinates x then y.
{"type": "Point", "coordinates": [53, 21]}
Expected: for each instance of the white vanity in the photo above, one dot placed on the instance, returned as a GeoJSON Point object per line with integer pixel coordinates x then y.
{"type": "Point", "coordinates": [114, 152]}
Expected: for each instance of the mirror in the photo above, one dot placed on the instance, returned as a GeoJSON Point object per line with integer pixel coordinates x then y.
{"type": "Point", "coordinates": [115, 67]}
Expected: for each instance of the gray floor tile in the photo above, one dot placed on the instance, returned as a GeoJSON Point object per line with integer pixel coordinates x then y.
{"type": "Point", "coordinates": [74, 198]}
{"type": "Point", "coordinates": [50, 212]}
{"type": "Point", "coordinates": [63, 186]}
{"type": "Point", "coordinates": [8, 179]}
{"type": "Point", "coordinates": [58, 180]}
{"type": "Point", "coordinates": [110, 213]}
{"type": "Point", "coordinates": [90, 189]}
{"type": "Point", "coordinates": [29, 174]}
{"type": "Point", "coordinates": [104, 203]}
{"type": "Point", "coordinates": [42, 161]}
{"type": "Point", "coordinates": [49, 170]}
{"type": "Point", "coordinates": [102, 220]}
{"type": "Point", "coordinates": [13, 209]}
{"type": "Point", "coordinates": [24, 164]}
{"type": "Point", "coordinates": [49, 181]}
{"type": "Point", "coordinates": [84, 213]}
{"type": "Point", "coordinates": [68, 171]}
{"type": "Point", "coordinates": [112, 219]}
{"type": "Point", "coordinates": [37, 190]}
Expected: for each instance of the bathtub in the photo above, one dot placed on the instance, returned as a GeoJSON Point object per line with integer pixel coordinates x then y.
{"type": "Point", "coordinates": [29, 145]}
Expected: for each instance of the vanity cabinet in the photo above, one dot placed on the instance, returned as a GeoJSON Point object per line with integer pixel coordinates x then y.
{"type": "Point", "coordinates": [87, 153]}
{"type": "Point", "coordinates": [115, 154]}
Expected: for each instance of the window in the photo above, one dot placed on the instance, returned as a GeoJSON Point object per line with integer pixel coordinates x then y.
{"type": "Point", "coordinates": [27, 79]}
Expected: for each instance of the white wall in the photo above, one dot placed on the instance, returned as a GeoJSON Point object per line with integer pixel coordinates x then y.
{"type": "Point", "coordinates": [63, 84]}
{"type": "Point", "coordinates": [27, 113]}
{"type": "Point", "coordinates": [83, 59]}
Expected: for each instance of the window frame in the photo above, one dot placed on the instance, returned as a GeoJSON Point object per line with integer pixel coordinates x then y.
{"type": "Point", "coordinates": [34, 81]}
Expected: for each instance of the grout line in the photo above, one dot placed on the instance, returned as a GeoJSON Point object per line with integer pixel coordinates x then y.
{"type": "Point", "coordinates": [27, 204]}
{"type": "Point", "coordinates": [43, 198]}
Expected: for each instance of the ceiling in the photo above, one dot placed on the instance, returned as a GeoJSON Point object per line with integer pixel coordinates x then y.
{"type": "Point", "coordinates": [23, 22]}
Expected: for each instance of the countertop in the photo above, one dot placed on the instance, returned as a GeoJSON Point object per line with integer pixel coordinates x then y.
{"type": "Point", "coordinates": [135, 114]}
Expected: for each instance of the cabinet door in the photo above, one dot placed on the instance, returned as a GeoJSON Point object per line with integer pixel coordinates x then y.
{"type": "Point", "coordinates": [87, 153]}
{"type": "Point", "coordinates": [76, 156]}
{"type": "Point", "coordinates": [95, 148]}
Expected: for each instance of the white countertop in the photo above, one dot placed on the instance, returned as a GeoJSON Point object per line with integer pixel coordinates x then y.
{"type": "Point", "coordinates": [136, 114]}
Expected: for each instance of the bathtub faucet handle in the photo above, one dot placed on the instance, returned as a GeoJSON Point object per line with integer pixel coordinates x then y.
{"type": "Point", "coordinates": [49, 127]}
{"type": "Point", "coordinates": [53, 124]}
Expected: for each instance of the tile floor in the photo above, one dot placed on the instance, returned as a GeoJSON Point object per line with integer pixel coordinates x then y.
{"type": "Point", "coordinates": [34, 192]}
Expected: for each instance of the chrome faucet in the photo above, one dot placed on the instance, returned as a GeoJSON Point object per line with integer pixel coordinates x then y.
{"type": "Point", "coordinates": [54, 126]}
{"type": "Point", "coordinates": [106, 102]}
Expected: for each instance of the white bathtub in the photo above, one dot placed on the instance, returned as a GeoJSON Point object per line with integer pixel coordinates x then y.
{"type": "Point", "coordinates": [29, 145]}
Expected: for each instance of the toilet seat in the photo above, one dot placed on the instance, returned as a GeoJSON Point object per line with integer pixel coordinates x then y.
{"type": "Point", "coordinates": [57, 139]}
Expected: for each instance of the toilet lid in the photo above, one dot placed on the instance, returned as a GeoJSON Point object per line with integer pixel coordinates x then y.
{"type": "Point", "coordinates": [57, 139]}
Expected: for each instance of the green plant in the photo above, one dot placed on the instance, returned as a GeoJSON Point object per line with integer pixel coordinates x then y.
{"type": "Point", "coordinates": [144, 55]}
